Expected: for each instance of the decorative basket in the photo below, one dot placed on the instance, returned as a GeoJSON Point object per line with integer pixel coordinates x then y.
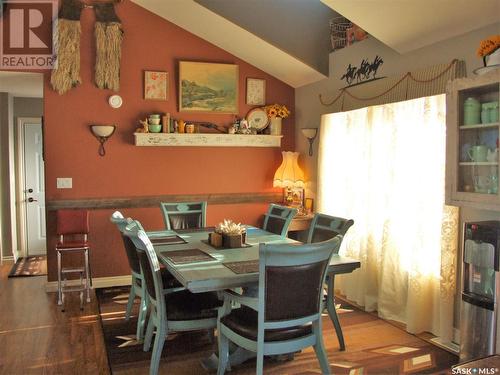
{"type": "Point", "coordinates": [338, 28]}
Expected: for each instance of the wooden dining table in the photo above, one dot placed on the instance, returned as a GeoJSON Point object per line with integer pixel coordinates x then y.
{"type": "Point", "coordinates": [201, 268]}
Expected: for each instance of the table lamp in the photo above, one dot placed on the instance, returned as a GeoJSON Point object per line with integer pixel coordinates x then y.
{"type": "Point", "coordinates": [290, 177]}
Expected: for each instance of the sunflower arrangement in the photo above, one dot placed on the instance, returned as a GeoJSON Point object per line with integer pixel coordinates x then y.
{"type": "Point", "coordinates": [488, 46]}
{"type": "Point", "coordinates": [277, 110]}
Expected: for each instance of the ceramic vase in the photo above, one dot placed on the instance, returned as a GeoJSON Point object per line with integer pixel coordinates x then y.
{"type": "Point", "coordinates": [275, 126]}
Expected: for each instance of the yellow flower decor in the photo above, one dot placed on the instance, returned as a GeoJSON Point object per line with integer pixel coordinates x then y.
{"type": "Point", "coordinates": [488, 46]}
{"type": "Point", "coordinates": [277, 110]}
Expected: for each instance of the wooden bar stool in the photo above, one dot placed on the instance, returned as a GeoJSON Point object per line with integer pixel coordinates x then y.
{"type": "Point", "coordinates": [73, 230]}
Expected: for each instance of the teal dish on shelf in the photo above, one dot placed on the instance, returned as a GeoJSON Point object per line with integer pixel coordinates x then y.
{"type": "Point", "coordinates": [154, 128]}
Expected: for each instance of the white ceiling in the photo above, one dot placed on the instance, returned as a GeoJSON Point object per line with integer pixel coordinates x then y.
{"type": "Point", "coordinates": [406, 25]}
{"type": "Point", "coordinates": [217, 30]}
{"type": "Point", "coordinates": [28, 85]}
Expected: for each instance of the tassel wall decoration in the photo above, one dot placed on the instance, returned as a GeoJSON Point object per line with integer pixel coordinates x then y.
{"type": "Point", "coordinates": [66, 74]}
{"type": "Point", "coordinates": [109, 36]}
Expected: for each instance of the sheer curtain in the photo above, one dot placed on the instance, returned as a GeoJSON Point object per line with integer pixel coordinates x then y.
{"type": "Point", "coordinates": [384, 167]}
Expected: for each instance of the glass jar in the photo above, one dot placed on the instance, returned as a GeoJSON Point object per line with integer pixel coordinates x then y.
{"type": "Point", "coordinates": [493, 111]}
{"type": "Point", "coordinates": [472, 111]}
{"type": "Point", "coordinates": [485, 113]}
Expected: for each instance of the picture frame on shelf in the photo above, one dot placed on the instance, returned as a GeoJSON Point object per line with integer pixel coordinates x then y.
{"type": "Point", "coordinates": [256, 91]}
{"type": "Point", "coordinates": [208, 87]}
{"type": "Point", "coordinates": [155, 85]}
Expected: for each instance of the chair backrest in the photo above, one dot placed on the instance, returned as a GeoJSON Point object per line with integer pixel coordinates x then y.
{"type": "Point", "coordinates": [149, 263]}
{"type": "Point", "coordinates": [71, 222]}
{"type": "Point", "coordinates": [291, 277]}
{"type": "Point", "coordinates": [184, 215]}
{"type": "Point", "coordinates": [323, 227]}
{"type": "Point", "coordinates": [278, 219]}
{"type": "Point", "coordinates": [133, 260]}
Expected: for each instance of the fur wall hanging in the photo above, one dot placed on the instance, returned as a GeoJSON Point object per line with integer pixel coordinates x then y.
{"type": "Point", "coordinates": [109, 36]}
{"type": "Point", "coordinates": [67, 72]}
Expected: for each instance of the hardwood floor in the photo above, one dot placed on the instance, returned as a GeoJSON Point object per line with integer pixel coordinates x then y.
{"type": "Point", "coordinates": [36, 337]}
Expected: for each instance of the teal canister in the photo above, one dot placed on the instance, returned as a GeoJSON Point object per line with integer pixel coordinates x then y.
{"type": "Point", "coordinates": [472, 111]}
{"type": "Point", "coordinates": [485, 113]}
{"type": "Point", "coordinates": [493, 111]}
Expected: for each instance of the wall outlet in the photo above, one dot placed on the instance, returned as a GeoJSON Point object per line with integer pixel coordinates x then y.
{"type": "Point", "coordinates": [64, 183]}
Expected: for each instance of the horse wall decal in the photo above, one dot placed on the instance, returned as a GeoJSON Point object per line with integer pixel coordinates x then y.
{"type": "Point", "coordinates": [366, 72]}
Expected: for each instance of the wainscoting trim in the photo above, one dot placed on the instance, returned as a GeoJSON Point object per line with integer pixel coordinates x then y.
{"type": "Point", "coordinates": [154, 201]}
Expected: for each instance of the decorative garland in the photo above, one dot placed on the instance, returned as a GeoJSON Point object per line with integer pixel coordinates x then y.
{"type": "Point", "coordinates": [407, 76]}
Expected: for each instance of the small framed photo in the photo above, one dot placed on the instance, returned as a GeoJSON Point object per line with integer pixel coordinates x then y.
{"type": "Point", "coordinates": [256, 91]}
{"type": "Point", "coordinates": [155, 85]}
{"type": "Point", "coordinates": [309, 205]}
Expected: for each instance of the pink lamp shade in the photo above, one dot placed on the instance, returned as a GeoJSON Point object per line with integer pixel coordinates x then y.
{"type": "Point", "coordinates": [289, 173]}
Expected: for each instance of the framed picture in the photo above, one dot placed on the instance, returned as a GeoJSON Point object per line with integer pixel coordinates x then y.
{"type": "Point", "coordinates": [208, 87]}
{"type": "Point", "coordinates": [155, 85]}
{"type": "Point", "coordinates": [256, 91]}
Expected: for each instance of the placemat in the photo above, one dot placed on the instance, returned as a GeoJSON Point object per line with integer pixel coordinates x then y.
{"type": "Point", "coordinates": [226, 248]}
{"type": "Point", "coordinates": [246, 266]}
{"type": "Point", "coordinates": [168, 240]}
{"type": "Point", "coordinates": [192, 230]}
{"type": "Point", "coordinates": [188, 256]}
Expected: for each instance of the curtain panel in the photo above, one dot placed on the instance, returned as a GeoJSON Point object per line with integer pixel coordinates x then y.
{"type": "Point", "coordinates": [384, 167]}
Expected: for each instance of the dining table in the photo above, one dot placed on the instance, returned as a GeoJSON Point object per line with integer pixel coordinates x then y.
{"type": "Point", "coordinates": [200, 267]}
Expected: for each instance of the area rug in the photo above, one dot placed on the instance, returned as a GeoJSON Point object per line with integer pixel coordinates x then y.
{"type": "Point", "coordinates": [29, 266]}
{"type": "Point", "coordinates": [373, 346]}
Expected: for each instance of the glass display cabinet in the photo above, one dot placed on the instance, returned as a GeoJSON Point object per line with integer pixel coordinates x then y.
{"type": "Point", "coordinates": [472, 136]}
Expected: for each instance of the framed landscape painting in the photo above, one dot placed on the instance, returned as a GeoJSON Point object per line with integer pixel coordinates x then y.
{"type": "Point", "coordinates": [155, 85]}
{"type": "Point", "coordinates": [208, 87]}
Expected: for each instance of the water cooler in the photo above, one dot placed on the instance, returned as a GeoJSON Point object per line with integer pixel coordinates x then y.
{"type": "Point", "coordinates": [479, 319]}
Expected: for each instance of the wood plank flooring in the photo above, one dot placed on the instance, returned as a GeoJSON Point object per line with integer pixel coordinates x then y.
{"type": "Point", "coordinates": [36, 337]}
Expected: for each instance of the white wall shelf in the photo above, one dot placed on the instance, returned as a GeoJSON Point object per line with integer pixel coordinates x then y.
{"type": "Point", "coordinates": [207, 140]}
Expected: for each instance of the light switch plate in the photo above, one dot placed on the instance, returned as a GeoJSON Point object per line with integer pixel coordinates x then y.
{"type": "Point", "coordinates": [64, 182]}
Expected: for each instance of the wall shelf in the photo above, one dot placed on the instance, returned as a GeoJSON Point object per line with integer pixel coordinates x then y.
{"type": "Point", "coordinates": [207, 140]}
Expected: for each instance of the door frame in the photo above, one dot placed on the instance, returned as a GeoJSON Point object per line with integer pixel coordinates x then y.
{"type": "Point", "coordinates": [20, 177]}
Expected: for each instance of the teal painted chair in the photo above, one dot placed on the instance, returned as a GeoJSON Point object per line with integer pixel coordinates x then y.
{"type": "Point", "coordinates": [286, 315]}
{"type": "Point", "coordinates": [137, 288]}
{"type": "Point", "coordinates": [278, 219]}
{"type": "Point", "coordinates": [184, 215]}
{"type": "Point", "coordinates": [323, 227]}
{"type": "Point", "coordinates": [170, 312]}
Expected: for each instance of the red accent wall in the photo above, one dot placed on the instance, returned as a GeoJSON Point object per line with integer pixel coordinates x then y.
{"type": "Point", "coordinates": [150, 43]}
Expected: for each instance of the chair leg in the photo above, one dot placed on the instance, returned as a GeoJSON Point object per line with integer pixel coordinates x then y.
{"type": "Point", "coordinates": [161, 333]}
{"type": "Point", "coordinates": [87, 275]}
{"type": "Point", "coordinates": [223, 353]}
{"type": "Point", "coordinates": [149, 334]}
{"type": "Point", "coordinates": [131, 298]}
{"type": "Point", "coordinates": [330, 305]}
{"type": "Point", "coordinates": [319, 349]}
{"type": "Point", "coordinates": [59, 286]}
{"type": "Point", "coordinates": [260, 362]}
{"type": "Point", "coordinates": [141, 319]}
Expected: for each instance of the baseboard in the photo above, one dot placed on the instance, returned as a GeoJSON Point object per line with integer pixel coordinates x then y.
{"type": "Point", "coordinates": [8, 258]}
{"type": "Point", "coordinates": [97, 282]}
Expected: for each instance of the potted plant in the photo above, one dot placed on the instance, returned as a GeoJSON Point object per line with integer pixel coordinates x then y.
{"type": "Point", "coordinates": [276, 112]}
{"type": "Point", "coordinates": [489, 50]}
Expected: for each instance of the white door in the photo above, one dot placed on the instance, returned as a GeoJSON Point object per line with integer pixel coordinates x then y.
{"type": "Point", "coordinates": [34, 189]}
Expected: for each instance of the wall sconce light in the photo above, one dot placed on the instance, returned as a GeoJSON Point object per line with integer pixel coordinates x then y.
{"type": "Point", "coordinates": [310, 134]}
{"type": "Point", "coordinates": [102, 133]}
{"type": "Point", "coordinates": [290, 177]}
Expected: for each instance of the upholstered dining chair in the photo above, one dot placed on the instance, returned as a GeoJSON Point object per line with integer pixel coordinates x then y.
{"type": "Point", "coordinates": [278, 219]}
{"type": "Point", "coordinates": [322, 228]}
{"type": "Point", "coordinates": [137, 288]}
{"type": "Point", "coordinates": [286, 315]}
{"type": "Point", "coordinates": [184, 215]}
{"type": "Point", "coordinates": [170, 312]}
